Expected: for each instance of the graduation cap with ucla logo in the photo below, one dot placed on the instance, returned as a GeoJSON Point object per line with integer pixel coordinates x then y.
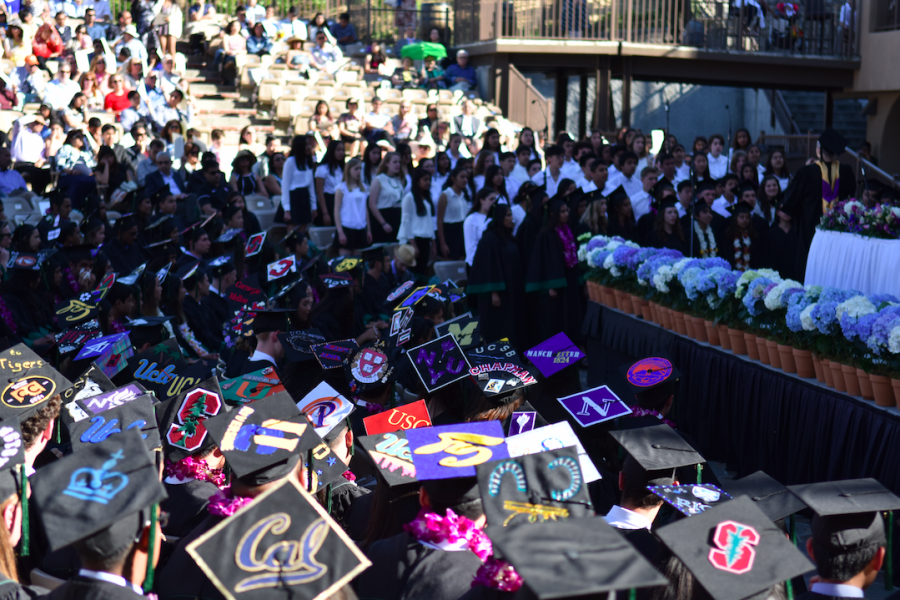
{"type": "Point", "coordinates": [182, 418]}
{"type": "Point", "coordinates": [734, 550]}
{"type": "Point", "coordinates": [27, 382]}
{"type": "Point", "coordinates": [768, 494]}
{"type": "Point", "coordinates": [283, 544]}
{"type": "Point", "coordinates": [652, 378]}
{"type": "Point", "coordinates": [137, 414]}
{"type": "Point", "coordinates": [391, 455]}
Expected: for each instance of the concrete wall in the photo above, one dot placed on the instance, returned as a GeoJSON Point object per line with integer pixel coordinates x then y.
{"type": "Point", "coordinates": [882, 131]}
{"type": "Point", "coordinates": [878, 72]}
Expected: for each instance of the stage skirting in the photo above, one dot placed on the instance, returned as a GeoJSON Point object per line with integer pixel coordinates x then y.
{"type": "Point", "coordinates": [854, 262]}
{"type": "Point", "coordinates": [748, 414]}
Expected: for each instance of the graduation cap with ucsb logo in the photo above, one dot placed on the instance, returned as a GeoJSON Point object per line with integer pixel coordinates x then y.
{"type": "Point", "coordinates": [283, 544]}
{"type": "Point", "coordinates": [28, 383]}
{"type": "Point", "coordinates": [734, 550]}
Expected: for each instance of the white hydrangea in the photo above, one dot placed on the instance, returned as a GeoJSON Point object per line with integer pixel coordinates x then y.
{"type": "Point", "coordinates": [748, 276]}
{"type": "Point", "coordinates": [610, 265]}
{"type": "Point", "coordinates": [662, 278]}
{"type": "Point", "coordinates": [676, 268]}
{"type": "Point", "coordinates": [712, 300]}
{"type": "Point", "coordinates": [773, 298]}
{"type": "Point", "coordinates": [806, 318]}
{"type": "Point", "coordinates": [632, 245]}
{"type": "Point", "coordinates": [853, 205]}
{"type": "Point", "coordinates": [894, 340]}
{"type": "Point", "coordinates": [855, 307]}
{"type": "Point", "coordinates": [895, 211]}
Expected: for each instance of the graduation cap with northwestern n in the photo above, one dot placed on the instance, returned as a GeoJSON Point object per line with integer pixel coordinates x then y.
{"type": "Point", "coordinates": [652, 378]}
{"type": "Point", "coordinates": [390, 453]}
{"type": "Point", "coordinates": [574, 558]}
{"type": "Point", "coordinates": [138, 414]}
{"type": "Point", "coordinates": [181, 420]}
{"type": "Point", "coordinates": [769, 496]}
{"type": "Point", "coordinates": [848, 512]}
{"type": "Point", "coordinates": [734, 550]}
{"type": "Point", "coordinates": [27, 383]}
{"type": "Point", "coordinates": [262, 441]}
{"type": "Point", "coordinates": [283, 544]}
{"type": "Point", "coordinates": [101, 496]}
{"type": "Point", "coordinates": [337, 281]}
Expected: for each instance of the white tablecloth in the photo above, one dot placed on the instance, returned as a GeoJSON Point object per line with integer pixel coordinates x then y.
{"type": "Point", "coordinates": [851, 261]}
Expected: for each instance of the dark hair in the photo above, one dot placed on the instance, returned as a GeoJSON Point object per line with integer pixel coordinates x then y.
{"type": "Point", "coordinates": [298, 151]}
{"type": "Point", "coordinates": [330, 159]}
{"type": "Point", "coordinates": [636, 481]}
{"type": "Point", "coordinates": [659, 226]}
{"type": "Point", "coordinates": [419, 195]}
{"type": "Point", "coordinates": [369, 167]}
{"type": "Point", "coordinates": [626, 156]}
{"type": "Point", "coordinates": [73, 135]}
{"type": "Point", "coordinates": [555, 151]}
{"type": "Point", "coordinates": [705, 174]}
{"type": "Point", "coordinates": [731, 232]}
{"type": "Point", "coordinates": [498, 217]}
{"type": "Point", "coordinates": [482, 194]}
{"type": "Point", "coordinates": [784, 167]}
{"type": "Point", "coordinates": [734, 143]}
{"type": "Point", "coordinates": [489, 178]}
{"type": "Point", "coordinates": [554, 208]}
{"type": "Point", "coordinates": [486, 137]}
{"type": "Point", "coordinates": [613, 204]}
{"type": "Point", "coordinates": [842, 566]}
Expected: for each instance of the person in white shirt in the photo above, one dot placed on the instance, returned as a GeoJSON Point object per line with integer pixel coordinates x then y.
{"type": "Point", "coordinates": [626, 177]}
{"type": "Point", "coordinates": [718, 162]}
{"type": "Point", "coordinates": [640, 202]}
{"type": "Point", "coordinates": [417, 220]}
{"type": "Point", "coordinates": [477, 221]}
{"type": "Point", "coordinates": [685, 193]}
{"type": "Point", "coordinates": [584, 174]}
{"type": "Point", "coordinates": [58, 93]}
{"type": "Point", "coordinates": [351, 216]}
{"type": "Point", "coordinates": [520, 170]}
{"type": "Point", "coordinates": [298, 188]}
{"type": "Point", "coordinates": [552, 175]}
{"type": "Point", "coordinates": [453, 205]}
{"type": "Point", "coordinates": [682, 169]}
{"type": "Point", "coordinates": [507, 163]}
{"type": "Point", "coordinates": [728, 197]}
{"type": "Point", "coordinates": [667, 168]}
{"type": "Point", "coordinates": [599, 176]}
{"type": "Point", "coordinates": [255, 12]}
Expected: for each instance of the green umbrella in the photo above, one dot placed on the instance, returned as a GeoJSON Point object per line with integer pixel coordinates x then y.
{"type": "Point", "coordinates": [422, 49]}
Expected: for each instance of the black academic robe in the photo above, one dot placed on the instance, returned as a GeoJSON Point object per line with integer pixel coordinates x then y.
{"type": "Point", "coordinates": [372, 297]}
{"type": "Point", "coordinates": [803, 201]}
{"type": "Point", "coordinates": [497, 267]}
{"type": "Point", "coordinates": [235, 365]}
{"type": "Point", "coordinates": [547, 270]}
{"type": "Point", "coordinates": [629, 232]}
{"type": "Point", "coordinates": [186, 505]}
{"type": "Point", "coordinates": [82, 588]}
{"type": "Point", "coordinates": [672, 241]}
{"type": "Point", "coordinates": [404, 569]}
{"type": "Point", "coordinates": [344, 496]}
{"type": "Point", "coordinates": [217, 306]}
{"type": "Point", "coordinates": [201, 323]}
{"type": "Point", "coordinates": [645, 225]}
{"type": "Point", "coordinates": [181, 577]}
{"type": "Point", "coordinates": [643, 541]}
{"type": "Point", "coordinates": [252, 366]}
{"type": "Point", "coordinates": [11, 590]}
{"type": "Point", "coordinates": [778, 250]}
{"type": "Point", "coordinates": [526, 236]}
{"type": "Point", "coordinates": [695, 251]}
{"type": "Point", "coordinates": [124, 259]}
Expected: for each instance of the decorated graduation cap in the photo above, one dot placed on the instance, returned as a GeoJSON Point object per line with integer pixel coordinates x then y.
{"type": "Point", "coordinates": [832, 141]}
{"type": "Point", "coordinates": [572, 558]}
{"type": "Point", "coordinates": [452, 451]}
{"type": "Point", "coordinates": [264, 321]}
{"type": "Point", "coordinates": [262, 441]}
{"type": "Point", "coordinates": [326, 410]}
{"type": "Point", "coordinates": [182, 419]}
{"type": "Point", "coordinates": [652, 379]}
{"type": "Point", "coordinates": [848, 512]}
{"type": "Point", "coordinates": [12, 456]}
{"type": "Point", "coordinates": [147, 330]}
{"type": "Point", "coordinates": [344, 264]}
{"type": "Point", "coordinates": [658, 451]}
{"type": "Point", "coordinates": [218, 267]}
{"type": "Point", "coordinates": [337, 281]}
{"type": "Point", "coordinates": [391, 455]}
{"type": "Point", "coordinates": [298, 344]}
{"type": "Point", "coordinates": [498, 371]}
{"type": "Point", "coordinates": [252, 386]}
{"type": "Point", "coordinates": [690, 500]}
{"type": "Point", "coordinates": [24, 261]}
{"type": "Point", "coordinates": [535, 488]}
{"type": "Point", "coordinates": [136, 414]}
{"type": "Point", "coordinates": [734, 550]}
{"type": "Point", "coordinates": [101, 497]}
{"type": "Point", "coordinates": [283, 544]}
{"type": "Point", "coordinates": [369, 368]}
{"type": "Point", "coordinates": [162, 249]}
{"type": "Point", "coordinates": [229, 235]}
{"type": "Point", "coordinates": [28, 383]}
{"type": "Point", "coordinates": [769, 496]}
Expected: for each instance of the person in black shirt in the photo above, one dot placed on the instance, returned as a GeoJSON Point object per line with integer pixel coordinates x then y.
{"type": "Point", "coordinates": [209, 185]}
{"type": "Point", "coordinates": [667, 232]}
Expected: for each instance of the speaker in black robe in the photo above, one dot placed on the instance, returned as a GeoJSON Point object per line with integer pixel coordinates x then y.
{"type": "Point", "coordinates": [778, 250]}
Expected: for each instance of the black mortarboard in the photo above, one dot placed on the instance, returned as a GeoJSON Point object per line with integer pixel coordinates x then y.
{"type": "Point", "coordinates": [573, 558]}
{"type": "Point", "coordinates": [90, 223]}
{"type": "Point", "coordinates": [24, 261]}
{"type": "Point", "coordinates": [746, 186]}
{"type": "Point", "coordinates": [344, 264]}
{"type": "Point", "coordinates": [374, 252]}
{"type": "Point", "coordinates": [661, 186]}
{"type": "Point", "coordinates": [369, 368]}
{"type": "Point", "coordinates": [162, 249]}
{"type": "Point", "coordinates": [298, 344]}
{"type": "Point", "coordinates": [538, 193]}
{"type": "Point", "coordinates": [190, 269]}
{"type": "Point", "coordinates": [832, 141]}
{"type": "Point", "coordinates": [391, 455]}
{"type": "Point", "coordinates": [690, 500]}
{"type": "Point", "coordinates": [80, 252]}
{"type": "Point", "coordinates": [262, 441]}
{"type": "Point", "coordinates": [101, 494]}
{"type": "Point", "coordinates": [848, 512]}
{"type": "Point", "coordinates": [281, 545]}
{"type": "Point", "coordinates": [157, 222]}
{"type": "Point", "coordinates": [220, 266]}
{"type": "Point", "coordinates": [12, 454]}
{"type": "Point", "coordinates": [593, 195]}
{"type": "Point", "coordinates": [147, 330]}
{"type": "Point", "coordinates": [740, 207]}
{"type": "Point", "coordinates": [534, 488]}
{"type": "Point", "coordinates": [181, 420]}
{"type": "Point", "coordinates": [263, 321]}
{"type": "Point", "coordinates": [92, 382]}
{"type": "Point", "coordinates": [667, 203]}
{"type": "Point", "coordinates": [135, 414]}
{"type": "Point", "coordinates": [657, 448]}
{"type": "Point", "coordinates": [769, 496]}
{"type": "Point", "coordinates": [336, 281]}
{"type": "Point", "coordinates": [617, 194]}
{"type": "Point", "coordinates": [132, 277]}
{"type": "Point", "coordinates": [229, 236]}
{"type": "Point", "coordinates": [28, 382]}
{"type": "Point", "coordinates": [651, 378]}
{"type": "Point", "coordinates": [734, 550]}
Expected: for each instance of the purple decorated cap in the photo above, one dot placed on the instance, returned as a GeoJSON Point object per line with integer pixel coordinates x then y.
{"type": "Point", "coordinates": [652, 379]}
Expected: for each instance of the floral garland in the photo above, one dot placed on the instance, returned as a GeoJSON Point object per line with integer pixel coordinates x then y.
{"type": "Point", "coordinates": [70, 279]}
{"type": "Point", "coordinates": [195, 468]}
{"type": "Point", "coordinates": [116, 327]}
{"type": "Point", "coordinates": [570, 250]}
{"type": "Point", "coordinates": [637, 411]}
{"type": "Point", "coordinates": [224, 504]}
{"type": "Point", "coordinates": [708, 249]}
{"type": "Point", "coordinates": [742, 253]}
{"type": "Point", "coordinates": [348, 475]}
{"type": "Point", "coordinates": [435, 529]}
{"type": "Point", "coordinates": [7, 316]}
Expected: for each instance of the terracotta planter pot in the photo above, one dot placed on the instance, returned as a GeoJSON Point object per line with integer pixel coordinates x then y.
{"type": "Point", "coordinates": [786, 353]}
{"type": "Point", "coordinates": [712, 333]}
{"type": "Point", "coordinates": [623, 301]}
{"type": "Point", "coordinates": [738, 343]}
{"type": "Point", "coordinates": [609, 297]}
{"type": "Point", "coordinates": [826, 371]}
{"type": "Point", "coordinates": [752, 348]}
{"type": "Point", "coordinates": [774, 357]}
{"type": "Point", "coordinates": [678, 322]}
{"type": "Point", "coordinates": [763, 350]}
{"type": "Point", "coordinates": [665, 318]}
{"type": "Point", "coordinates": [837, 376]}
{"type": "Point", "coordinates": [895, 383]}
{"type": "Point", "coordinates": [592, 290]}
{"type": "Point", "coordinates": [645, 311]}
{"type": "Point", "coordinates": [882, 390]}
{"type": "Point", "coordinates": [851, 381]}
{"type": "Point", "coordinates": [865, 386]}
{"type": "Point", "coordinates": [820, 370]}
{"type": "Point", "coordinates": [689, 325]}
{"type": "Point", "coordinates": [724, 338]}
{"type": "Point", "coordinates": [700, 329]}
{"type": "Point", "coordinates": [636, 305]}
{"type": "Point", "coordinates": [804, 361]}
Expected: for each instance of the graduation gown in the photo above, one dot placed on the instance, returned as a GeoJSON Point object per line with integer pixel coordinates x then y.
{"type": "Point", "coordinates": [11, 590]}
{"type": "Point", "coordinates": [344, 495]}
{"type": "Point", "coordinates": [404, 569]}
{"type": "Point", "coordinates": [181, 577]}
{"type": "Point", "coordinates": [547, 270]}
{"type": "Point", "coordinates": [803, 201]}
{"type": "Point", "coordinates": [217, 306]}
{"type": "Point", "coordinates": [778, 250]}
{"type": "Point", "coordinates": [82, 588]}
{"type": "Point", "coordinates": [372, 297]}
{"type": "Point", "coordinates": [614, 228]}
{"type": "Point", "coordinates": [526, 236]}
{"type": "Point", "coordinates": [672, 241]}
{"type": "Point", "coordinates": [186, 505]}
{"type": "Point", "coordinates": [497, 267]}
{"type": "Point", "coordinates": [124, 259]}
{"type": "Point", "coordinates": [643, 541]}
{"type": "Point", "coordinates": [695, 251]}
{"type": "Point", "coordinates": [201, 323]}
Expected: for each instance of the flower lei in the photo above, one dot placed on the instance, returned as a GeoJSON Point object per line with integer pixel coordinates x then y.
{"type": "Point", "coordinates": [435, 529]}
{"type": "Point", "coordinates": [637, 411]}
{"type": "Point", "coordinates": [708, 249]}
{"type": "Point", "coordinates": [116, 327]}
{"type": "Point", "coordinates": [7, 316]}
{"type": "Point", "coordinates": [570, 251]}
{"type": "Point", "coordinates": [742, 253]}
{"type": "Point", "coordinates": [348, 475]}
{"type": "Point", "coordinates": [373, 408]}
{"type": "Point", "coordinates": [70, 279]}
{"type": "Point", "coordinates": [224, 504]}
{"type": "Point", "coordinates": [195, 468]}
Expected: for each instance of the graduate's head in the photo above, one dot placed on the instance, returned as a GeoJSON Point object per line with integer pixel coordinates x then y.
{"type": "Point", "coordinates": [730, 182]}
{"type": "Point", "coordinates": [460, 495]}
{"type": "Point", "coordinates": [685, 192]}
{"type": "Point", "coordinates": [846, 547]}
{"type": "Point", "coordinates": [555, 156]}
{"type": "Point", "coordinates": [628, 161]}
{"type": "Point", "coordinates": [703, 213]}
{"type": "Point", "coordinates": [121, 298]}
{"type": "Point", "coordinates": [60, 204]}
{"type": "Point", "coordinates": [599, 173]}
{"type": "Point", "coordinates": [633, 482]}
{"type": "Point", "coordinates": [557, 213]}
{"type": "Point", "coordinates": [523, 155]}
{"type": "Point", "coordinates": [340, 440]}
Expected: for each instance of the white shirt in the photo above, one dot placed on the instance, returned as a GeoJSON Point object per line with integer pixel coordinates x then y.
{"type": "Point", "coordinates": [640, 204]}
{"type": "Point", "coordinates": [521, 173]}
{"type": "Point", "coordinates": [473, 229]}
{"type": "Point", "coordinates": [783, 182]}
{"type": "Point", "coordinates": [110, 578]}
{"type": "Point", "coordinates": [588, 187]}
{"type": "Point", "coordinates": [256, 14]}
{"type": "Point", "coordinates": [58, 94]}
{"type": "Point", "coordinates": [622, 518]}
{"type": "Point", "coordinates": [457, 206]}
{"type": "Point", "coordinates": [331, 179]}
{"type": "Point", "coordinates": [169, 180]}
{"type": "Point", "coordinates": [257, 355]}
{"type": "Point", "coordinates": [467, 127]}
{"type": "Point", "coordinates": [838, 590]}
{"type": "Point", "coordinates": [683, 172]}
{"type": "Point", "coordinates": [292, 179]}
{"type": "Point", "coordinates": [518, 214]}
{"type": "Point", "coordinates": [721, 206]}
{"type": "Point", "coordinates": [546, 177]}
{"type": "Point", "coordinates": [28, 147]}
{"type": "Point", "coordinates": [570, 169]}
{"type": "Point", "coordinates": [413, 225]}
{"type": "Point", "coordinates": [353, 206]}
{"type": "Point", "coordinates": [479, 182]}
{"type": "Point", "coordinates": [391, 194]}
{"type": "Point", "coordinates": [718, 167]}
{"type": "Point", "coordinates": [633, 185]}
{"type": "Point", "coordinates": [512, 187]}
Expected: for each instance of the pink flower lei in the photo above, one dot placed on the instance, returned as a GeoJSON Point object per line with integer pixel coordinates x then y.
{"type": "Point", "coordinates": [637, 411]}
{"type": "Point", "coordinates": [195, 468]}
{"type": "Point", "coordinates": [7, 317]}
{"type": "Point", "coordinates": [224, 504]}
{"type": "Point", "coordinates": [570, 251]}
{"type": "Point", "coordinates": [435, 529]}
